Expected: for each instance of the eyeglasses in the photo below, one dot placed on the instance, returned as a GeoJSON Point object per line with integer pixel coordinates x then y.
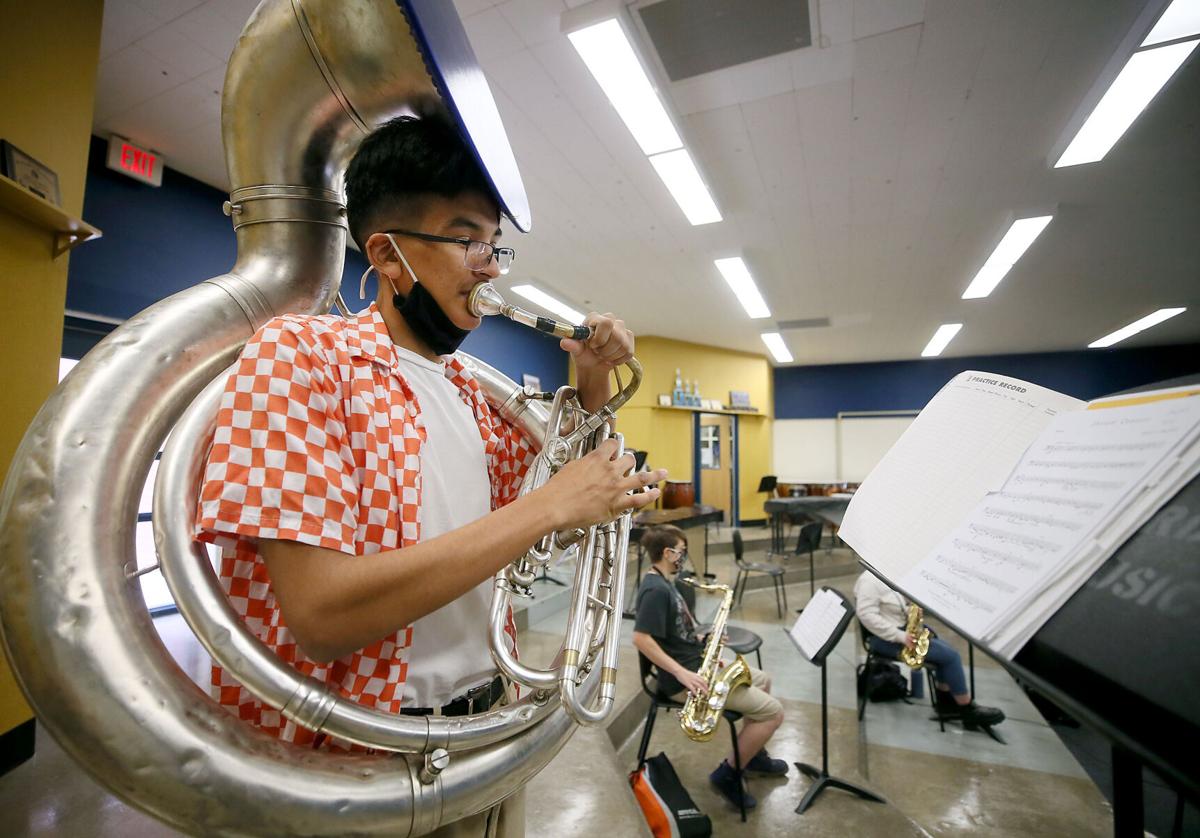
{"type": "Point", "coordinates": [682, 551]}
{"type": "Point", "coordinates": [478, 254]}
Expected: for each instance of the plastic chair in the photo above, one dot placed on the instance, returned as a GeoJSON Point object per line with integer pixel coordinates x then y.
{"type": "Point", "coordinates": [746, 568]}
{"type": "Point", "coordinates": [741, 640]}
{"type": "Point", "coordinates": [658, 700]}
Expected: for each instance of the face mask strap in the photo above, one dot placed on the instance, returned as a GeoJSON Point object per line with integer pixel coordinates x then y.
{"type": "Point", "coordinates": [403, 261]}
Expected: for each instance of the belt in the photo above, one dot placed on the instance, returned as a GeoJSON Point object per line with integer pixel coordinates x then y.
{"type": "Point", "coordinates": [475, 700]}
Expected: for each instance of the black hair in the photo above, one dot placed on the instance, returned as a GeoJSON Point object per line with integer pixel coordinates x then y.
{"type": "Point", "coordinates": [657, 539]}
{"type": "Point", "coordinates": [404, 159]}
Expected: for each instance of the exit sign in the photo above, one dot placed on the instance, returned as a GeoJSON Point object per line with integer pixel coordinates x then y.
{"type": "Point", "coordinates": [137, 162]}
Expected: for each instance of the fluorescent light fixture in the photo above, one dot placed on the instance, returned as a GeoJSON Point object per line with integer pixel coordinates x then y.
{"type": "Point", "coordinates": [774, 342]}
{"type": "Point", "coordinates": [678, 171]}
{"type": "Point", "coordinates": [541, 298]}
{"type": "Point", "coordinates": [1015, 242]}
{"type": "Point", "coordinates": [940, 339]}
{"type": "Point", "coordinates": [610, 57]}
{"type": "Point", "coordinates": [738, 276]}
{"type": "Point", "coordinates": [1131, 91]}
{"type": "Point", "coordinates": [1181, 19]}
{"type": "Point", "coordinates": [1135, 327]}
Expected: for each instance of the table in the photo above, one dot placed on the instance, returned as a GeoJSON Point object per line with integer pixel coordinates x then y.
{"type": "Point", "coordinates": [830, 508]}
{"type": "Point", "coordinates": [682, 517]}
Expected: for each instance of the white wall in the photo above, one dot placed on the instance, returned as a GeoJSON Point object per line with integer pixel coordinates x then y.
{"type": "Point", "coordinates": [806, 450]}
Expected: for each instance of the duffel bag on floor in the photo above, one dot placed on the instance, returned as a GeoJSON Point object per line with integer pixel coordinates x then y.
{"type": "Point", "coordinates": [665, 803]}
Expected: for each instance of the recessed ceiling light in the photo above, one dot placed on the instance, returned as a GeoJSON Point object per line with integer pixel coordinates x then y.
{"type": "Point", "coordinates": [555, 306]}
{"type": "Point", "coordinates": [738, 276]}
{"type": "Point", "coordinates": [678, 171]}
{"type": "Point", "coordinates": [779, 350]}
{"type": "Point", "coordinates": [940, 339]}
{"type": "Point", "coordinates": [1131, 91]}
{"type": "Point", "coordinates": [1181, 19]}
{"type": "Point", "coordinates": [611, 59]}
{"type": "Point", "coordinates": [1015, 242]}
{"type": "Point", "coordinates": [1135, 327]}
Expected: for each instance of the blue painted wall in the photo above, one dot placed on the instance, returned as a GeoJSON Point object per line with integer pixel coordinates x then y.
{"type": "Point", "coordinates": [819, 392]}
{"type": "Point", "coordinates": [160, 241]}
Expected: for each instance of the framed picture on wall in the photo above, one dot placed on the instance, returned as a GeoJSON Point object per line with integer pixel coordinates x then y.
{"type": "Point", "coordinates": [37, 177]}
{"type": "Point", "coordinates": [531, 381]}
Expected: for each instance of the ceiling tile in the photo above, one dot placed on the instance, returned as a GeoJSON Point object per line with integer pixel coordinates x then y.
{"type": "Point", "coordinates": [743, 83]}
{"type": "Point", "coordinates": [129, 77]}
{"type": "Point", "coordinates": [535, 21]}
{"type": "Point", "coordinates": [124, 22]}
{"type": "Point", "coordinates": [835, 23]}
{"type": "Point", "coordinates": [212, 27]}
{"type": "Point", "coordinates": [872, 17]}
{"type": "Point", "coordinates": [176, 50]}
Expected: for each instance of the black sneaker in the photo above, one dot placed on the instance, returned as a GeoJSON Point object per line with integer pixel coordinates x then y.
{"type": "Point", "coordinates": [764, 763]}
{"type": "Point", "coordinates": [727, 784]}
{"type": "Point", "coordinates": [976, 715]}
{"type": "Point", "coordinates": [947, 706]}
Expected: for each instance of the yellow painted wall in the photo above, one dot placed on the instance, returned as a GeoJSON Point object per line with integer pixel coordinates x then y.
{"type": "Point", "coordinates": [48, 59]}
{"type": "Point", "coordinates": [667, 434]}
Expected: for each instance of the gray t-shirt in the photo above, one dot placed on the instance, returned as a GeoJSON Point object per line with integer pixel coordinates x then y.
{"type": "Point", "coordinates": [662, 614]}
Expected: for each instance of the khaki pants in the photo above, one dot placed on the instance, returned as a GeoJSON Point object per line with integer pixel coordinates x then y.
{"type": "Point", "coordinates": [753, 701]}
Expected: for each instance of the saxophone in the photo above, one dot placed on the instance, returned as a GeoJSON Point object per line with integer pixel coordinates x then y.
{"type": "Point", "coordinates": [701, 713]}
{"type": "Point", "coordinates": [914, 658]}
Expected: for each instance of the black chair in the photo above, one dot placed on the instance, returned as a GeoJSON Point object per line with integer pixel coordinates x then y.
{"type": "Point", "coordinates": [938, 716]}
{"type": "Point", "coordinates": [864, 693]}
{"type": "Point", "coordinates": [741, 640]}
{"type": "Point", "coordinates": [807, 542]}
{"type": "Point", "coordinates": [658, 700]}
{"type": "Point", "coordinates": [746, 568]}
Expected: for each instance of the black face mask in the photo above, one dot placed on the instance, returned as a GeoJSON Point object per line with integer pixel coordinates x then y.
{"type": "Point", "coordinates": [428, 322]}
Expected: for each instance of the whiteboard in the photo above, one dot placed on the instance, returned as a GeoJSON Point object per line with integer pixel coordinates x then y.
{"type": "Point", "coordinates": [865, 439]}
{"type": "Point", "coordinates": [809, 450]}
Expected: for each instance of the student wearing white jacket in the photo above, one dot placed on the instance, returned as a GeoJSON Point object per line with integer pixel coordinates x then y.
{"type": "Point", "coordinates": [884, 613]}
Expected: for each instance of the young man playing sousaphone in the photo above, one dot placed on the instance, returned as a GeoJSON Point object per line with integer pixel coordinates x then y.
{"type": "Point", "coordinates": [665, 632]}
{"type": "Point", "coordinates": [363, 491]}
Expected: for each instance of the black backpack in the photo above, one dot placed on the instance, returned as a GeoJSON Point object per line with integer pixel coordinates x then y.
{"type": "Point", "coordinates": [882, 681]}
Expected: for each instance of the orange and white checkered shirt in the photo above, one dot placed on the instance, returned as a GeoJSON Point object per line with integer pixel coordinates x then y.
{"type": "Point", "coordinates": [319, 441]}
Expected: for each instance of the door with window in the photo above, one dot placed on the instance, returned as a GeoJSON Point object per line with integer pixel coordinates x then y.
{"type": "Point", "coordinates": [716, 461]}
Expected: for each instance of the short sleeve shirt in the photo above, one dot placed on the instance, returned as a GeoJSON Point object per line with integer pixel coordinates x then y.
{"type": "Point", "coordinates": [319, 440]}
{"type": "Point", "coordinates": [662, 614]}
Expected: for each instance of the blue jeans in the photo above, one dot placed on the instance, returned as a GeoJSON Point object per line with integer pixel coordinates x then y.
{"type": "Point", "coordinates": [946, 663]}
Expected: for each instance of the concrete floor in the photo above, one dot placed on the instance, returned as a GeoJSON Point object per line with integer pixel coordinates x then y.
{"type": "Point", "coordinates": [937, 783]}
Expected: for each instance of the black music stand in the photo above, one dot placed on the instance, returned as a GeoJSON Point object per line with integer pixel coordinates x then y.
{"type": "Point", "coordinates": [831, 633]}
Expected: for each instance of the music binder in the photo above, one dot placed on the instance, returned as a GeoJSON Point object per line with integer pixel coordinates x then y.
{"type": "Point", "coordinates": [1120, 653]}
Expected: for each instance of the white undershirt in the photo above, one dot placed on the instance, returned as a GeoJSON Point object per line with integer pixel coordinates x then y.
{"type": "Point", "coordinates": [449, 653]}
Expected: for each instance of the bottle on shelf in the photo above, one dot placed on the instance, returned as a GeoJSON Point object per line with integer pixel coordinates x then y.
{"type": "Point", "coordinates": [696, 393]}
{"type": "Point", "coordinates": [677, 393]}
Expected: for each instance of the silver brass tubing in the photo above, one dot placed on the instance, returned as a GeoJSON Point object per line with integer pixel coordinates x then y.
{"type": "Point", "coordinates": [306, 80]}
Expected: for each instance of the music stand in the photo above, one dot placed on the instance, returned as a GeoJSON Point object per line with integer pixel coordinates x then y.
{"type": "Point", "coordinates": [815, 634]}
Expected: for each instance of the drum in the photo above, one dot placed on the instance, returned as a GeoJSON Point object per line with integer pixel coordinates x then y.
{"type": "Point", "coordinates": [677, 493]}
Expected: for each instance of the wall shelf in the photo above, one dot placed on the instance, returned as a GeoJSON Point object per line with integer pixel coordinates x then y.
{"type": "Point", "coordinates": [68, 232]}
{"type": "Point", "coordinates": [705, 410]}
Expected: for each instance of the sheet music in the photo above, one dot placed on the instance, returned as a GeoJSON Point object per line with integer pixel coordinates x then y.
{"type": "Point", "coordinates": [817, 622]}
{"type": "Point", "coordinates": [1053, 506]}
{"type": "Point", "coordinates": [962, 445]}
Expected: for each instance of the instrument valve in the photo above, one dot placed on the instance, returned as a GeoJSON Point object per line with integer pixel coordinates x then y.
{"type": "Point", "coordinates": [435, 763]}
